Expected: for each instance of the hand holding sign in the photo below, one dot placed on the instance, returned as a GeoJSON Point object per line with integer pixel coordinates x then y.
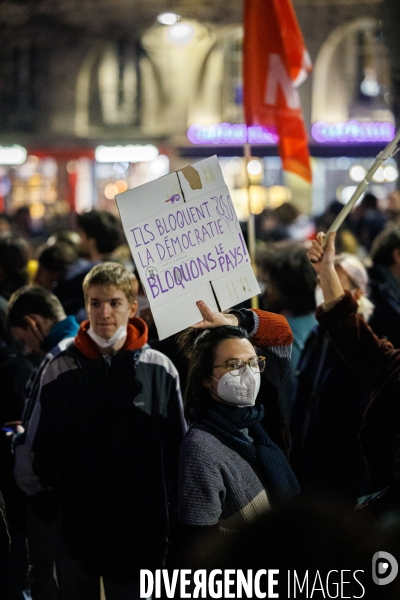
{"type": "Point", "coordinates": [213, 319]}
{"type": "Point", "coordinates": [187, 244]}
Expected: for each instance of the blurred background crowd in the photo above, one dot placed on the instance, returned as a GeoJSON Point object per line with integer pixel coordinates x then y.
{"type": "Point", "coordinates": [322, 402]}
{"type": "Point", "coordinates": [319, 390]}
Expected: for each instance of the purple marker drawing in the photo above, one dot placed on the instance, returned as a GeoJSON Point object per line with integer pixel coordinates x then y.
{"type": "Point", "coordinates": [174, 198]}
{"type": "Point", "coordinates": [226, 211]}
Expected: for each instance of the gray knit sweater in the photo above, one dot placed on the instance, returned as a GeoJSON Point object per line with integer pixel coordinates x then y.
{"type": "Point", "coordinates": [217, 485]}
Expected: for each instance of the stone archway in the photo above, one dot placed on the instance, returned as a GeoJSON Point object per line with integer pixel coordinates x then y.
{"type": "Point", "coordinates": [82, 90]}
{"type": "Point", "coordinates": [334, 72]}
{"type": "Point", "coordinates": [102, 62]}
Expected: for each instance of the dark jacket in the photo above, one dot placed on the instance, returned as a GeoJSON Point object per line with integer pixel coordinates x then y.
{"type": "Point", "coordinates": [377, 365]}
{"type": "Point", "coordinates": [106, 435]}
{"type": "Point", "coordinates": [5, 539]}
{"type": "Point", "coordinates": [326, 419]}
{"type": "Point", "coordinates": [58, 339]}
{"type": "Point", "coordinates": [385, 296]}
{"type": "Point", "coordinates": [15, 370]}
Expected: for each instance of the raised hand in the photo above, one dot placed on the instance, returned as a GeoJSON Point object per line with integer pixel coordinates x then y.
{"type": "Point", "coordinates": [319, 257]}
{"type": "Point", "coordinates": [323, 262]}
{"type": "Point", "coordinates": [213, 319]}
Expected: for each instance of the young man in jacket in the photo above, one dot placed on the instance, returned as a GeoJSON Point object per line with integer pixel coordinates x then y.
{"type": "Point", "coordinates": [38, 320]}
{"type": "Point", "coordinates": [106, 435]}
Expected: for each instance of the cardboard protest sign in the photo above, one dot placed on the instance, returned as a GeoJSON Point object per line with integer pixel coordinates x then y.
{"type": "Point", "coordinates": [187, 244]}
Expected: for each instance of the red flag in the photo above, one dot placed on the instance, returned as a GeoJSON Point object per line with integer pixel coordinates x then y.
{"type": "Point", "coordinates": [275, 62]}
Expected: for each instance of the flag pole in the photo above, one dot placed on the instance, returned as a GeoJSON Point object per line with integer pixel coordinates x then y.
{"type": "Point", "coordinates": [390, 150]}
{"type": "Point", "coordinates": [251, 229]}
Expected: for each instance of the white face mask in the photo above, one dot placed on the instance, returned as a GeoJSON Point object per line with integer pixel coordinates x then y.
{"type": "Point", "coordinates": [241, 390]}
{"type": "Point", "coordinates": [118, 335]}
{"type": "Point", "coordinates": [365, 306]}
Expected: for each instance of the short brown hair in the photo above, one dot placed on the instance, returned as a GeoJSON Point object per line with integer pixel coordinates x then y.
{"type": "Point", "coordinates": [33, 300]}
{"type": "Point", "coordinates": [112, 274]}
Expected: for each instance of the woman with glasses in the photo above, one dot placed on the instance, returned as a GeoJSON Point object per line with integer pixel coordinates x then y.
{"type": "Point", "coordinates": [231, 471]}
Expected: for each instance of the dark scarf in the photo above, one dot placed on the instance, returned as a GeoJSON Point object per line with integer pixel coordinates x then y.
{"type": "Point", "coordinates": [227, 421]}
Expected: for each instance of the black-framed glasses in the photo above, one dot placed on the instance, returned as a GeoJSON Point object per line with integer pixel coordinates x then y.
{"type": "Point", "coordinates": [237, 366]}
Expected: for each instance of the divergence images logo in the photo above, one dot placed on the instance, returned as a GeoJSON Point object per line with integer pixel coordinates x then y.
{"type": "Point", "coordinates": [384, 568]}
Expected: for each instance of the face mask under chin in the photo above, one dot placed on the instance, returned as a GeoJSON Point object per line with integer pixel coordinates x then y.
{"type": "Point", "coordinates": [118, 335]}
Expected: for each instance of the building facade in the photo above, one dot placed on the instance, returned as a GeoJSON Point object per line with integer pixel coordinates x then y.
{"type": "Point", "coordinates": [78, 75]}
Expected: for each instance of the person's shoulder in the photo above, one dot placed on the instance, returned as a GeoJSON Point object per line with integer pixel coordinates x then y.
{"type": "Point", "coordinates": [377, 276]}
{"type": "Point", "coordinates": [272, 329]}
{"type": "Point", "coordinates": [79, 269]}
{"type": "Point", "coordinates": [54, 365]}
{"type": "Point", "coordinates": [198, 441]}
{"type": "Point", "coordinates": [155, 357]}
{"type": "Point", "coordinates": [62, 345]}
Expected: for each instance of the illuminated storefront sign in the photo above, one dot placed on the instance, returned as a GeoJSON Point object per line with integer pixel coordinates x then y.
{"type": "Point", "coordinates": [129, 154]}
{"type": "Point", "coordinates": [344, 132]}
{"type": "Point", "coordinates": [12, 155]}
{"type": "Point", "coordinates": [352, 132]}
{"type": "Point", "coordinates": [225, 133]}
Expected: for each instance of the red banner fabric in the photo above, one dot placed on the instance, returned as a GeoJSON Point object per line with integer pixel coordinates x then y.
{"type": "Point", "coordinates": [275, 62]}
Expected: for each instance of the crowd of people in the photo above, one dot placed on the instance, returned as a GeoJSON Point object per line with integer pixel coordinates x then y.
{"type": "Point", "coordinates": [120, 452]}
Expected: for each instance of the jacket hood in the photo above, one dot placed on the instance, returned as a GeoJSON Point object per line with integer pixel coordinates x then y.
{"type": "Point", "coordinates": [137, 335]}
{"type": "Point", "coordinates": [66, 328]}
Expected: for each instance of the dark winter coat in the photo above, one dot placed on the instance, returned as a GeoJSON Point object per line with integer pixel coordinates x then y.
{"type": "Point", "coordinates": [326, 419]}
{"type": "Point", "coordinates": [377, 365]}
{"type": "Point", "coordinates": [106, 435]}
